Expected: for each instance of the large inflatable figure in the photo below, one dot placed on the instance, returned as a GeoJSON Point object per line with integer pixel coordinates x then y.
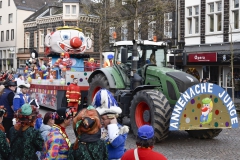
{"type": "Point", "coordinates": [66, 39]}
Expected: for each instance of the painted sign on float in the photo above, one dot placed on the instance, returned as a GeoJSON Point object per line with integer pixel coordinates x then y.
{"type": "Point", "coordinates": [204, 106]}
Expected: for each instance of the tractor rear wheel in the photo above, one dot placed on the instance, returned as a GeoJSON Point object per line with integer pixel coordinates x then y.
{"type": "Point", "coordinates": [151, 107]}
{"type": "Point", "coordinates": [204, 134]}
{"type": "Point", "coordinates": [98, 82]}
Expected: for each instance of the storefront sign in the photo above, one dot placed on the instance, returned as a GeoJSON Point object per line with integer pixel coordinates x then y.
{"type": "Point", "coordinates": [202, 57]}
{"type": "Point", "coordinates": [204, 106]}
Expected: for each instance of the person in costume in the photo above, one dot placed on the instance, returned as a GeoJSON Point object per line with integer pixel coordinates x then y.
{"type": "Point", "coordinates": [91, 65]}
{"type": "Point", "coordinates": [145, 142]}
{"type": "Point", "coordinates": [57, 144]}
{"type": "Point", "coordinates": [109, 61]}
{"type": "Point", "coordinates": [21, 97]}
{"type": "Point", "coordinates": [74, 95]}
{"type": "Point", "coordinates": [112, 132]}
{"type": "Point", "coordinates": [24, 139]}
{"type": "Point", "coordinates": [88, 145]}
{"type": "Point", "coordinates": [4, 144]}
{"type": "Point", "coordinates": [6, 100]}
{"type": "Point", "coordinates": [206, 116]}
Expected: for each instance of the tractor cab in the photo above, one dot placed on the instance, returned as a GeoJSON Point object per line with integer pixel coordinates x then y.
{"type": "Point", "coordinates": [149, 53]}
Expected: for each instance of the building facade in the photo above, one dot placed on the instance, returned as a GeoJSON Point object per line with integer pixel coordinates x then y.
{"type": "Point", "coordinates": [50, 17]}
{"type": "Point", "coordinates": [210, 30]}
{"type": "Point", "coordinates": [12, 15]}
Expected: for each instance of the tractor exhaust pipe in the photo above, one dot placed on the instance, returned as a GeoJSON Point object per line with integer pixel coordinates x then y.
{"type": "Point", "coordinates": [135, 78]}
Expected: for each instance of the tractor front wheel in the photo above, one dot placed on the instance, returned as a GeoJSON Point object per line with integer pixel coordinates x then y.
{"type": "Point", "coordinates": [204, 134]}
{"type": "Point", "coordinates": [151, 107]}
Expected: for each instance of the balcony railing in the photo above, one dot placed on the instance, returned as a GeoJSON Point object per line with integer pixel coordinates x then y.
{"type": "Point", "coordinates": [25, 50]}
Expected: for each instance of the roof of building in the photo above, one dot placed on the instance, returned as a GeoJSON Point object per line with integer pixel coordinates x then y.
{"type": "Point", "coordinates": [30, 5]}
{"type": "Point", "coordinates": [44, 11]}
{"type": "Point", "coordinates": [70, 1]}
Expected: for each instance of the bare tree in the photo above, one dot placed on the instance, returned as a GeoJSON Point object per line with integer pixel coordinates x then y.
{"type": "Point", "coordinates": [130, 19]}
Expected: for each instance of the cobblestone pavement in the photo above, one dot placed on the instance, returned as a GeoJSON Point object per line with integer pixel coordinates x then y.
{"type": "Point", "coordinates": [179, 146]}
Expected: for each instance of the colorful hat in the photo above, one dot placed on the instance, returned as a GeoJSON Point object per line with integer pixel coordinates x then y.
{"type": "Point", "coordinates": [62, 114]}
{"type": "Point", "coordinates": [110, 56]}
{"type": "Point", "coordinates": [87, 121]}
{"type": "Point", "coordinates": [146, 132]}
{"type": "Point", "coordinates": [105, 103]}
{"type": "Point", "coordinates": [26, 115]}
{"type": "Point", "coordinates": [206, 100]}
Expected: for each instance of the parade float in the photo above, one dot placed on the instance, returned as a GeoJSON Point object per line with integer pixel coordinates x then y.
{"type": "Point", "coordinates": [64, 60]}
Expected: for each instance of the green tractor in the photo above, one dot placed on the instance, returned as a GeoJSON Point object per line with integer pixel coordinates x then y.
{"type": "Point", "coordinates": [145, 90]}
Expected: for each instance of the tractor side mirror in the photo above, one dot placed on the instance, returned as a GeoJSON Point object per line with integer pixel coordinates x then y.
{"type": "Point", "coordinates": [124, 55]}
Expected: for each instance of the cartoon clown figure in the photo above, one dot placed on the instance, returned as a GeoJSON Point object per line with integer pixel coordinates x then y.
{"type": "Point", "coordinates": [206, 116]}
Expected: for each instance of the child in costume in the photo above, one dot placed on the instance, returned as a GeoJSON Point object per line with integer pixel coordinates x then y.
{"type": "Point", "coordinates": [88, 145]}
{"type": "Point", "coordinates": [4, 145]}
{"type": "Point", "coordinates": [57, 144]}
{"type": "Point", "coordinates": [112, 132]}
{"type": "Point", "coordinates": [24, 139]}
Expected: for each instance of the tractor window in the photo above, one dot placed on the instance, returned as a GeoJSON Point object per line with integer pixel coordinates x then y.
{"type": "Point", "coordinates": [144, 57]}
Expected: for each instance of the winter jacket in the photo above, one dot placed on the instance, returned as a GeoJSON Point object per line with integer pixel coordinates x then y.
{"type": "Point", "coordinates": [45, 130]}
{"type": "Point", "coordinates": [20, 100]}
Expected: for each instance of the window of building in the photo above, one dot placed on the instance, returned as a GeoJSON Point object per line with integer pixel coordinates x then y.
{"type": "Point", "coordinates": [12, 34]}
{"type": "Point", "coordinates": [190, 25]}
{"type": "Point", "coordinates": [168, 25]}
{"type": "Point", "coordinates": [219, 6]}
{"type": "Point", "coordinates": [35, 39]}
{"type": "Point", "coordinates": [211, 18]}
{"type": "Point", "coordinates": [0, 20]}
{"type": "Point", "coordinates": [124, 31]}
{"type": "Point", "coordinates": [235, 14]}
{"type": "Point", "coordinates": [2, 36]}
{"type": "Point", "coordinates": [196, 8]}
{"type": "Point", "coordinates": [1, 54]}
{"type": "Point", "coordinates": [193, 20]}
{"type": "Point", "coordinates": [236, 3]}
{"type": "Point", "coordinates": [67, 7]}
{"type": "Point", "coordinates": [112, 3]}
{"type": "Point", "coordinates": [7, 35]}
{"type": "Point", "coordinates": [190, 11]}
{"type": "Point", "coordinates": [196, 19]}
{"type": "Point", "coordinates": [0, 4]}
{"type": "Point", "coordinates": [41, 40]}
{"type": "Point", "coordinates": [27, 40]}
{"type": "Point", "coordinates": [211, 7]}
{"type": "Point", "coordinates": [111, 31]}
{"type": "Point", "coordinates": [10, 18]}
{"type": "Point", "coordinates": [49, 30]}
{"type": "Point", "coordinates": [74, 11]}
{"type": "Point", "coordinates": [215, 16]}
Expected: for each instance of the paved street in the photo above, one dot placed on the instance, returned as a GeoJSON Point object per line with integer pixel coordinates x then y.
{"type": "Point", "coordinates": [179, 146]}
